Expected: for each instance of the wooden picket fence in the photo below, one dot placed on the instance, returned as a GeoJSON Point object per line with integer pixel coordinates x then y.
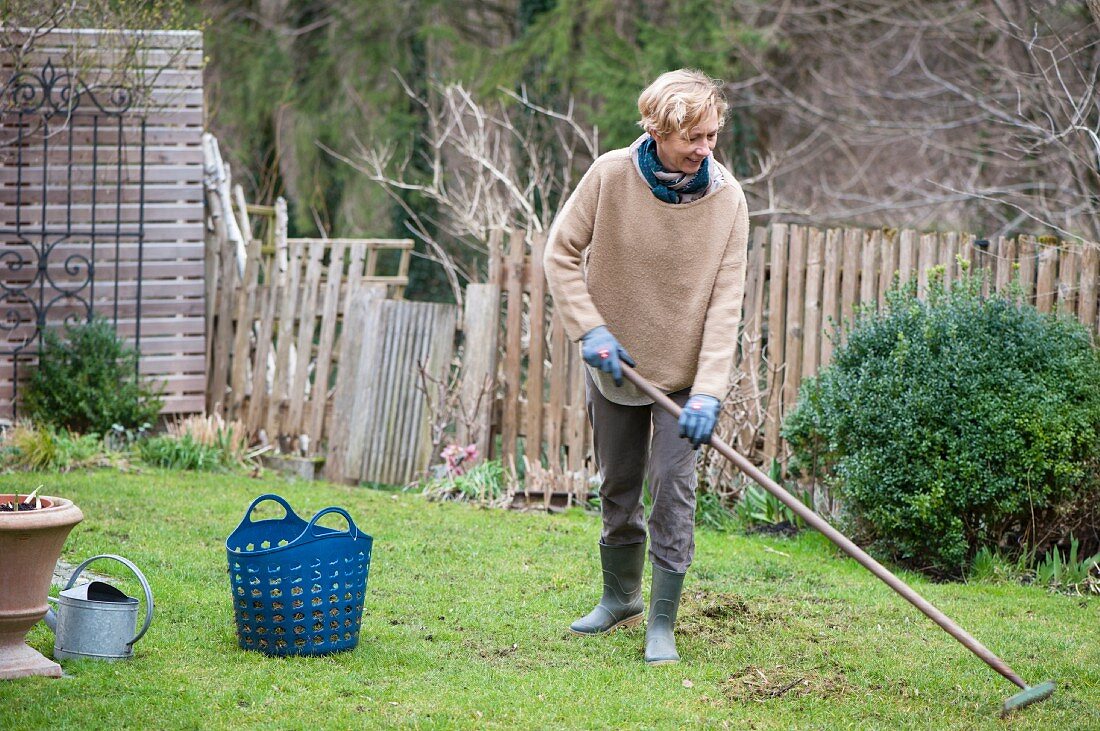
{"type": "Point", "coordinates": [539, 411]}
{"type": "Point", "coordinates": [520, 381]}
{"type": "Point", "coordinates": [800, 282]}
{"type": "Point", "coordinates": [275, 330]}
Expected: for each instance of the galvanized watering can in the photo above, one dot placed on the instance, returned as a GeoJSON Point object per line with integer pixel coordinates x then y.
{"type": "Point", "coordinates": [96, 620]}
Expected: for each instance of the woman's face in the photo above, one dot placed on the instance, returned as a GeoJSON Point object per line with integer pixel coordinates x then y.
{"type": "Point", "coordinates": [685, 152]}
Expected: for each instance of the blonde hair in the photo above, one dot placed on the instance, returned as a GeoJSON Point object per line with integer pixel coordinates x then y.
{"type": "Point", "coordinates": [679, 100]}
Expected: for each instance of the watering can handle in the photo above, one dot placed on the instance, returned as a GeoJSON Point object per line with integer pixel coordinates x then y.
{"type": "Point", "coordinates": [141, 577]}
{"type": "Point", "coordinates": [352, 529]}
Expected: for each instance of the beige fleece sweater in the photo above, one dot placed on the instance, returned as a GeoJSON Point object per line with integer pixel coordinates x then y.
{"type": "Point", "coordinates": [666, 279]}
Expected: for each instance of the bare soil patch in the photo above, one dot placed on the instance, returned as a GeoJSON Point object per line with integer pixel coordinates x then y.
{"type": "Point", "coordinates": [714, 615]}
{"type": "Point", "coordinates": [763, 684]}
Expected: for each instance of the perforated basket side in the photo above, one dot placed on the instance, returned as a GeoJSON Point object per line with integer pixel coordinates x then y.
{"type": "Point", "coordinates": [306, 600]}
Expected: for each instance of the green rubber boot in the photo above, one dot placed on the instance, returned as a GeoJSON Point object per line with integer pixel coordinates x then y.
{"type": "Point", "coordinates": [621, 604]}
{"type": "Point", "coordinates": [664, 601]}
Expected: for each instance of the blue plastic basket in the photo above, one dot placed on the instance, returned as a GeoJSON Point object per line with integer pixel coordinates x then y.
{"type": "Point", "coordinates": [297, 587]}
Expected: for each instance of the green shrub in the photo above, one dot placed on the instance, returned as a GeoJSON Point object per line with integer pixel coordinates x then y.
{"type": "Point", "coordinates": [954, 423]}
{"type": "Point", "coordinates": [87, 382]}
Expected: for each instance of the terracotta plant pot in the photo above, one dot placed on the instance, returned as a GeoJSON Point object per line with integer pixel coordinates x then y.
{"type": "Point", "coordinates": [30, 544]}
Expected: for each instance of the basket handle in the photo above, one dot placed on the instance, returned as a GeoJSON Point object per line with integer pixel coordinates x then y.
{"type": "Point", "coordinates": [353, 531]}
{"type": "Point", "coordinates": [270, 496]}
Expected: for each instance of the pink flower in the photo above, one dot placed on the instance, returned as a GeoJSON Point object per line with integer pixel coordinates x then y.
{"type": "Point", "coordinates": [456, 457]}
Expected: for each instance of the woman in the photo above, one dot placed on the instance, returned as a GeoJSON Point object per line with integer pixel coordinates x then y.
{"type": "Point", "coordinates": [647, 261]}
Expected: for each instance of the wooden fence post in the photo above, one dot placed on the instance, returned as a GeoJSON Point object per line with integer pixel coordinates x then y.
{"type": "Point", "coordinates": [1028, 264]}
{"type": "Point", "coordinates": [286, 314]}
{"type": "Point", "coordinates": [559, 383]}
{"type": "Point", "coordinates": [907, 255]}
{"type": "Point", "coordinates": [1086, 308]}
{"type": "Point", "coordinates": [245, 307]}
{"type": "Point", "coordinates": [796, 294]}
{"type": "Point", "coordinates": [830, 294]}
{"type": "Point", "coordinates": [812, 320]}
{"type": "Point", "coordinates": [243, 312]}
{"type": "Point", "coordinates": [535, 352]}
{"type": "Point", "coordinates": [777, 287]}
{"type": "Point", "coordinates": [1045, 288]}
{"type": "Point", "coordinates": [868, 275]}
{"type": "Point", "coordinates": [318, 401]}
{"type": "Point", "coordinates": [889, 268]}
{"type": "Point", "coordinates": [927, 248]}
{"type": "Point", "coordinates": [275, 276]}
{"type": "Point", "coordinates": [1005, 262]}
{"type": "Point", "coordinates": [949, 249]}
{"type": "Point", "coordinates": [513, 337]}
{"type": "Point", "coordinates": [1069, 265]}
{"type": "Point", "coordinates": [307, 315]}
{"type": "Point", "coordinates": [849, 283]}
{"type": "Point", "coordinates": [747, 365]}
{"type": "Point", "coordinates": [223, 332]}
{"type": "Point", "coordinates": [578, 442]}
{"type": "Point", "coordinates": [353, 391]}
{"type": "Point", "coordinates": [481, 327]}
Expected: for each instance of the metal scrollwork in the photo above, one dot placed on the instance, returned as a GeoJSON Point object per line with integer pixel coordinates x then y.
{"type": "Point", "coordinates": [51, 93]}
{"type": "Point", "coordinates": [41, 283]}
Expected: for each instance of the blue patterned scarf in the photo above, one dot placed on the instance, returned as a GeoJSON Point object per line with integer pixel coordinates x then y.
{"type": "Point", "coordinates": [669, 192]}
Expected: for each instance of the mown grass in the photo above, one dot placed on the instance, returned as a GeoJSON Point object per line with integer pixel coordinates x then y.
{"type": "Point", "coordinates": [464, 627]}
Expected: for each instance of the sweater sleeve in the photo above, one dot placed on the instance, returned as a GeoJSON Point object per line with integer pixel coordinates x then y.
{"type": "Point", "coordinates": [712, 376]}
{"type": "Point", "coordinates": [569, 236]}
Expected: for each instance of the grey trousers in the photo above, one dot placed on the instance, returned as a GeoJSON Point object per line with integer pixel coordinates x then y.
{"type": "Point", "coordinates": [634, 444]}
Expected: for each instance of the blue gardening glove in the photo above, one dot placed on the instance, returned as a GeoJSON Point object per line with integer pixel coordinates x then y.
{"type": "Point", "coordinates": [600, 349]}
{"type": "Point", "coordinates": [697, 419]}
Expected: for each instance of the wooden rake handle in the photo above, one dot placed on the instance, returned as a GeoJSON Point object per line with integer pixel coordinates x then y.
{"type": "Point", "coordinates": [842, 541]}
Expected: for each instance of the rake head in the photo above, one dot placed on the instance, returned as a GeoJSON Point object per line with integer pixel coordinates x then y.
{"type": "Point", "coordinates": [1026, 697]}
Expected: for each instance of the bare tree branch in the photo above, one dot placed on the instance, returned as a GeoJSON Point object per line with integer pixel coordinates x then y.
{"type": "Point", "coordinates": [944, 113]}
{"type": "Point", "coordinates": [482, 166]}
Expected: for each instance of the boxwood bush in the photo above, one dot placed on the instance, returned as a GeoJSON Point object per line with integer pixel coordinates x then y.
{"type": "Point", "coordinates": [956, 422]}
{"type": "Point", "coordinates": [86, 381]}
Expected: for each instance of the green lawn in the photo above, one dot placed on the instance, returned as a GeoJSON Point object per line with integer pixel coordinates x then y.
{"type": "Point", "coordinates": [464, 627]}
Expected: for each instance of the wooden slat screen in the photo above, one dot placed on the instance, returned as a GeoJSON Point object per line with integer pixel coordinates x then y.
{"type": "Point", "coordinates": [172, 327]}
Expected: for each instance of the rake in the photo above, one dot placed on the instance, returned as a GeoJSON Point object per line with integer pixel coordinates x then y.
{"type": "Point", "coordinates": [1028, 694]}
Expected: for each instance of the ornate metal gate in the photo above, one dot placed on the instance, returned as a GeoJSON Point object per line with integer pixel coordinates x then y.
{"type": "Point", "coordinates": [72, 199]}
